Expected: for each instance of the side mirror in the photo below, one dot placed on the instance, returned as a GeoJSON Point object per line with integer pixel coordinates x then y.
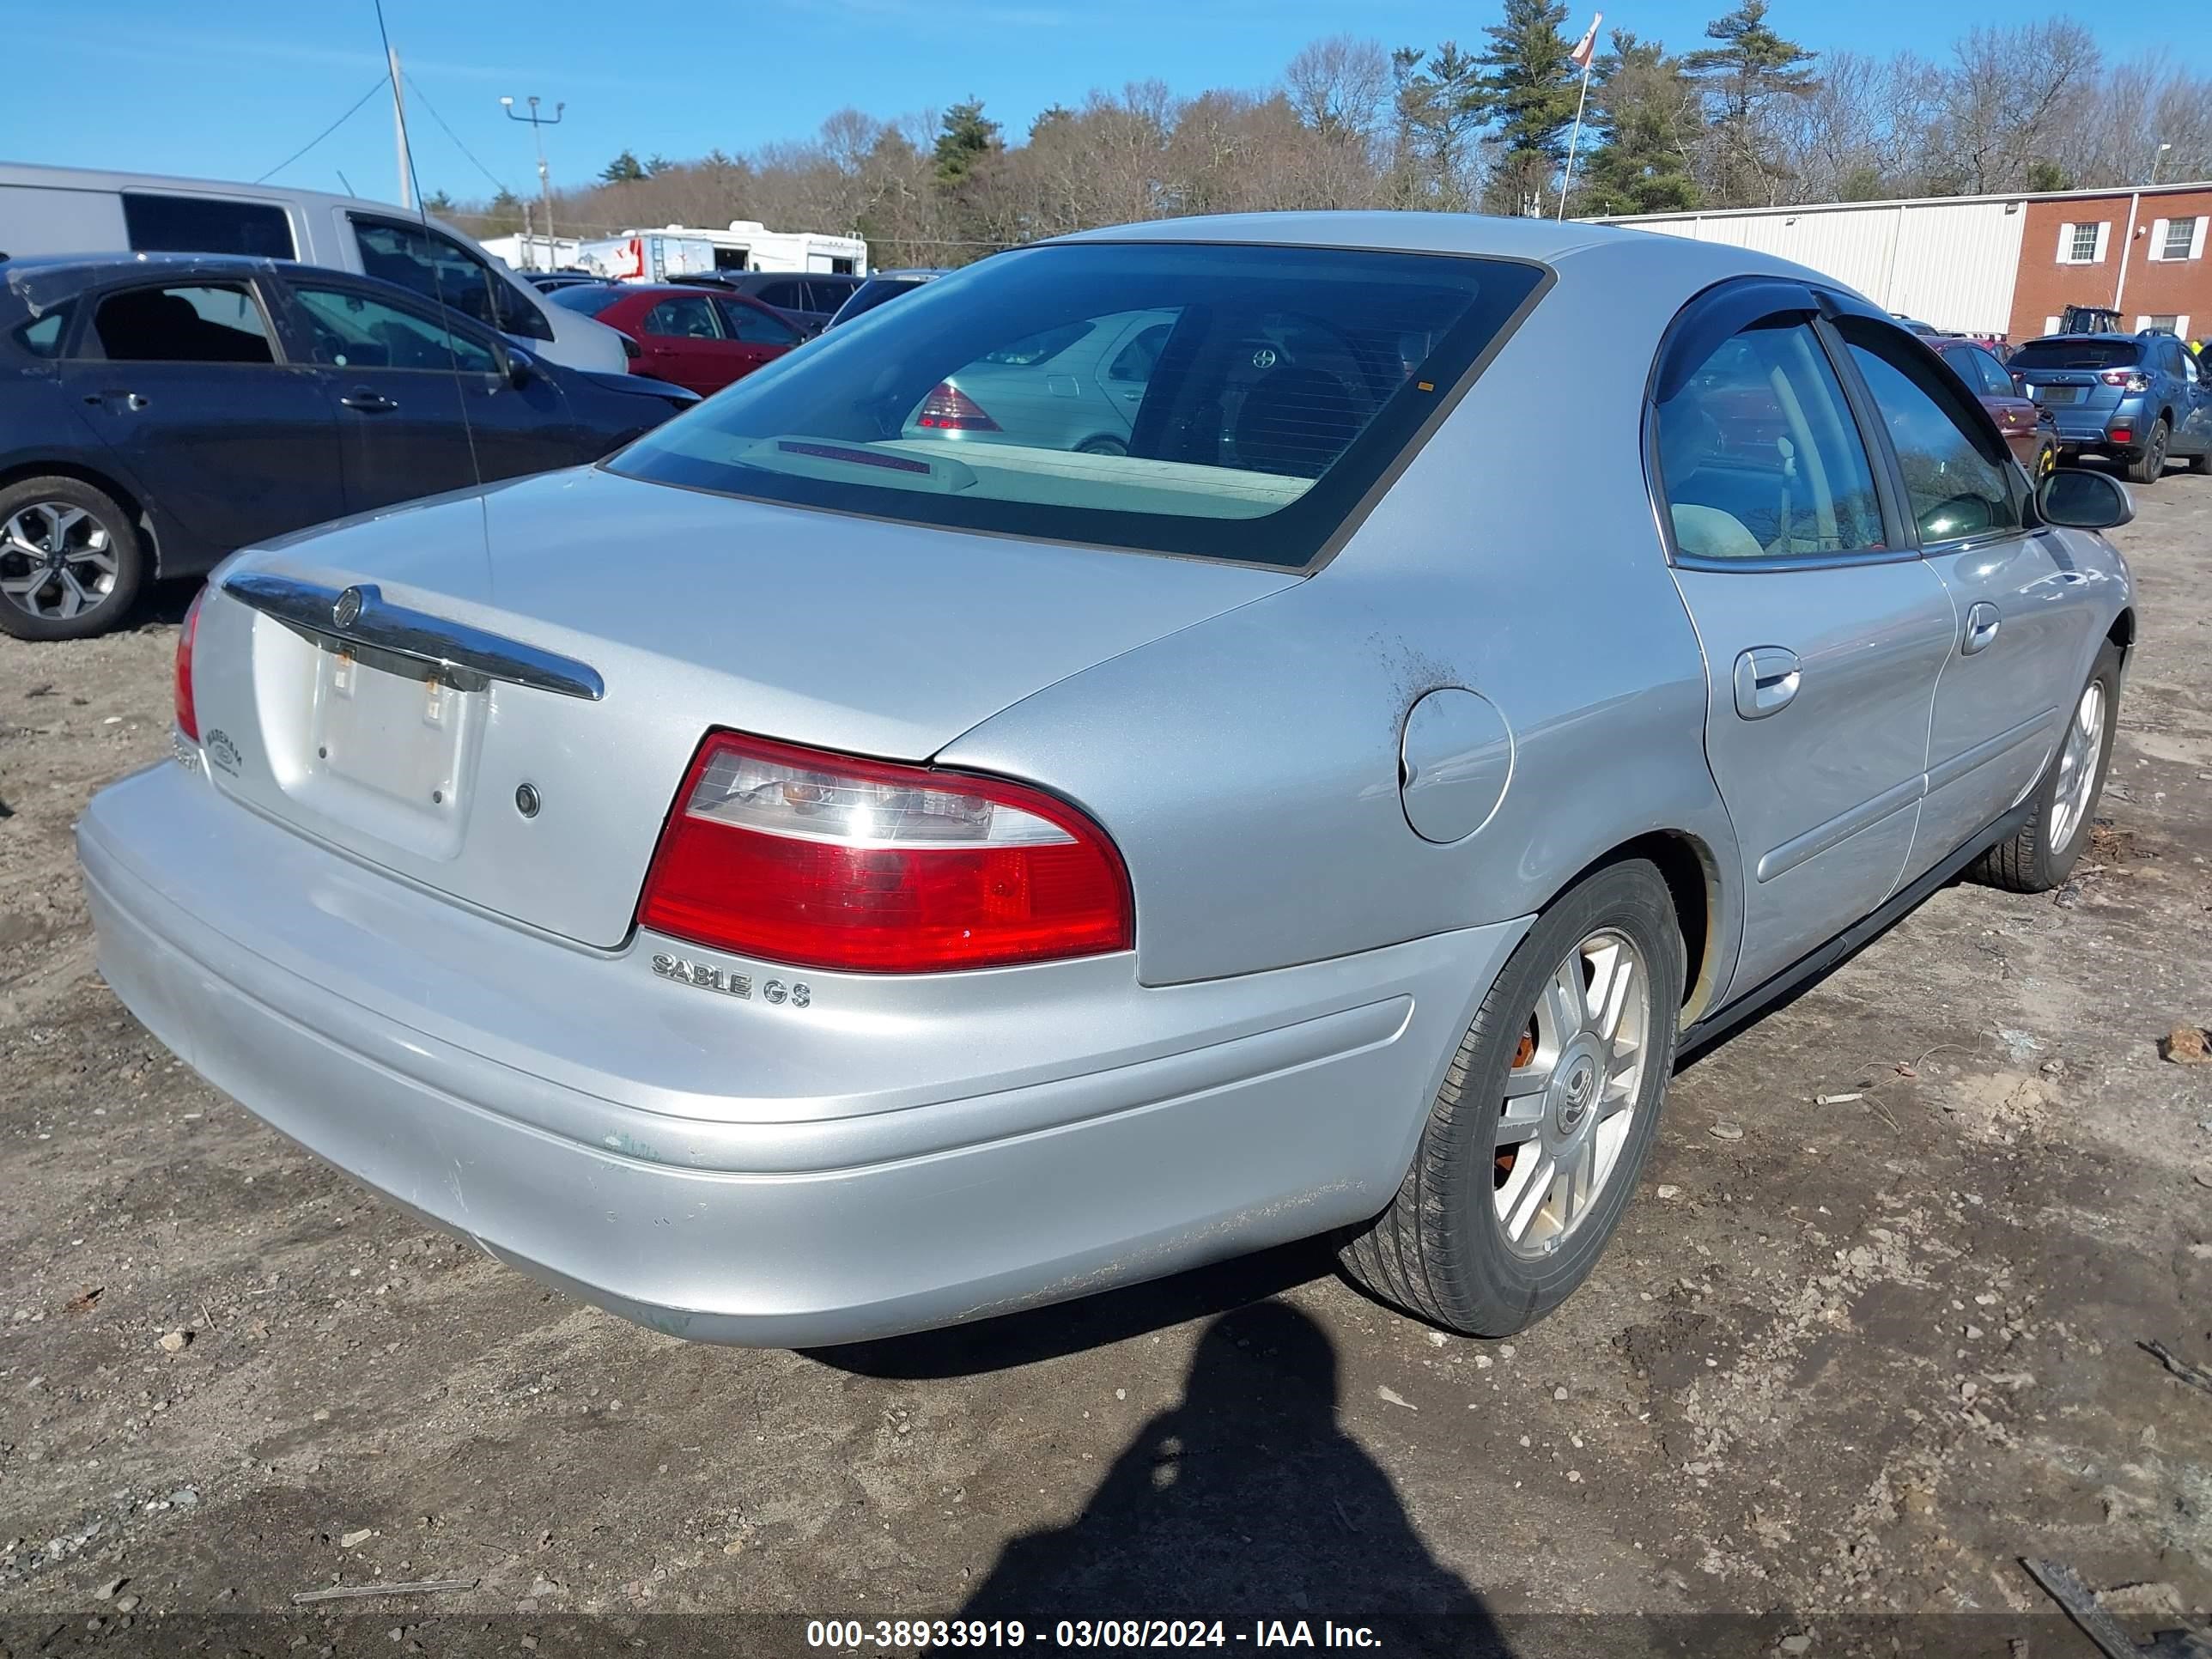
{"type": "Point", "coordinates": [521, 369]}
{"type": "Point", "coordinates": [631, 348]}
{"type": "Point", "coordinates": [2083, 499]}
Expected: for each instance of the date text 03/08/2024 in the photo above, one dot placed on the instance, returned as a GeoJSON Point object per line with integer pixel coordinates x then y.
{"type": "Point", "coordinates": [892, 1635]}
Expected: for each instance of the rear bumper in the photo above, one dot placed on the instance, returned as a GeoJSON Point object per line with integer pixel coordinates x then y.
{"type": "Point", "coordinates": [899, 1155]}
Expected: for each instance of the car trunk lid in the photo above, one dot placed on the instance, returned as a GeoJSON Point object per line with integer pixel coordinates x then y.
{"type": "Point", "coordinates": [494, 696]}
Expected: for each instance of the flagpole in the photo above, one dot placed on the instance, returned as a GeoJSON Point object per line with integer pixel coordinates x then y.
{"type": "Point", "coordinates": [1567, 179]}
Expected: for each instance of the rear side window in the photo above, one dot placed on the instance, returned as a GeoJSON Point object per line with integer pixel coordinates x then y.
{"type": "Point", "coordinates": [787, 296]}
{"type": "Point", "coordinates": [206, 224]}
{"type": "Point", "coordinates": [42, 335]}
{"type": "Point", "coordinates": [2078, 354]}
{"type": "Point", "coordinates": [188, 323]}
{"type": "Point", "coordinates": [1282, 390]}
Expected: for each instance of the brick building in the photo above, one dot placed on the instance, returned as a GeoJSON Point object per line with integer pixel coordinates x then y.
{"type": "Point", "coordinates": [1995, 264]}
{"type": "Point", "coordinates": [2142, 253]}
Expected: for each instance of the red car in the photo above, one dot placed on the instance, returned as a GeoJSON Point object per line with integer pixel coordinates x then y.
{"type": "Point", "coordinates": [695, 337]}
{"type": "Point", "coordinates": [2027, 427]}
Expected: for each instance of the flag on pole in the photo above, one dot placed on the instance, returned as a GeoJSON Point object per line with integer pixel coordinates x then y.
{"type": "Point", "coordinates": [1585, 51]}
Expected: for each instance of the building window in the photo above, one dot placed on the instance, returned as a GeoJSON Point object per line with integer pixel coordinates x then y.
{"type": "Point", "coordinates": [2165, 323]}
{"type": "Point", "coordinates": [2082, 244]}
{"type": "Point", "coordinates": [2051, 325]}
{"type": "Point", "coordinates": [2178, 238]}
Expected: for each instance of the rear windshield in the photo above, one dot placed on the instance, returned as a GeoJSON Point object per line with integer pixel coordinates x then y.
{"type": "Point", "coordinates": [2077, 353]}
{"type": "Point", "coordinates": [586, 297]}
{"type": "Point", "coordinates": [1227, 402]}
{"type": "Point", "coordinates": [873, 292]}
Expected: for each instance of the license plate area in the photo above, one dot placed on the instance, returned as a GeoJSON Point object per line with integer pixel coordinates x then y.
{"type": "Point", "coordinates": [390, 747]}
{"type": "Point", "coordinates": [2058, 394]}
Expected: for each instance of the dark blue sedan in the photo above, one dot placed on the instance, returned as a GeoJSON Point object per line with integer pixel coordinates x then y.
{"type": "Point", "coordinates": [158, 412]}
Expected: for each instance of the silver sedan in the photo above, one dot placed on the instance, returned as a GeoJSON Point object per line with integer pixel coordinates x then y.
{"type": "Point", "coordinates": [812, 877]}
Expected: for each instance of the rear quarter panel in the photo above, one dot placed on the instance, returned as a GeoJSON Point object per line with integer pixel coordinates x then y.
{"type": "Point", "coordinates": [1248, 767]}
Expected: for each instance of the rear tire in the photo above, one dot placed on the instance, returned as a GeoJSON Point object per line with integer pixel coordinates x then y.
{"type": "Point", "coordinates": [1473, 1241]}
{"type": "Point", "coordinates": [91, 587]}
{"type": "Point", "coordinates": [2150, 461]}
{"type": "Point", "coordinates": [2043, 851]}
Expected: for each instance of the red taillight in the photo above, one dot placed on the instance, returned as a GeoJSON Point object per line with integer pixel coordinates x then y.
{"type": "Point", "coordinates": [2122, 433]}
{"type": "Point", "coordinates": [2128, 380]}
{"type": "Point", "coordinates": [819, 860]}
{"type": "Point", "coordinates": [188, 717]}
{"type": "Point", "coordinates": [948, 409]}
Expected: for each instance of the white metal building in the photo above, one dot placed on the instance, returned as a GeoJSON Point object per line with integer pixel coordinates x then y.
{"type": "Point", "coordinates": [1951, 260]}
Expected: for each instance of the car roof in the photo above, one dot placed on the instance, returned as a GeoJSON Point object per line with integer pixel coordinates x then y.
{"type": "Point", "coordinates": [1558, 244]}
{"type": "Point", "coordinates": [95, 265]}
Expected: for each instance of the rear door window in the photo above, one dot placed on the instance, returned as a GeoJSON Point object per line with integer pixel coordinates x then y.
{"type": "Point", "coordinates": [206, 224]}
{"type": "Point", "coordinates": [1759, 458]}
{"type": "Point", "coordinates": [183, 323]}
{"type": "Point", "coordinates": [790, 296]}
{"type": "Point", "coordinates": [1281, 391]}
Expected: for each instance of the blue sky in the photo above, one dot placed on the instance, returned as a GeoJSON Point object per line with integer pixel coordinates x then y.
{"type": "Point", "coordinates": [229, 92]}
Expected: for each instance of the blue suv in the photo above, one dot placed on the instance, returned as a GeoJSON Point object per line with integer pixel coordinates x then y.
{"type": "Point", "coordinates": [2136, 398]}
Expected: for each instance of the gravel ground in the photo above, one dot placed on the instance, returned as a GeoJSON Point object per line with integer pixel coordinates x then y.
{"type": "Point", "coordinates": [1844, 1361]}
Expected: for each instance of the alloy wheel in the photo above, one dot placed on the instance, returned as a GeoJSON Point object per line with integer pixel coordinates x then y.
{"type": "Point", "coordinates": [57, 561]}
{"type": "Point", "coordinates": [2077, 767]}
{"type": "Point", "coordinates": [1571, 1093]}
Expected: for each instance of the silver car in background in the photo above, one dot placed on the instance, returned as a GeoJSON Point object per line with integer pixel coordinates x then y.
{"type": "Point", "coordinates": [1498, 653]}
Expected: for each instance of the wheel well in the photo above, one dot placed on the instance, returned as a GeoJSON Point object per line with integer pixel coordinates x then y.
{"type": "Point", "coordinates": [1692, 879]}
{"type": "Point", "coordinates": [85, 475]}
{"type": "Point", "coordinates": [2122, 634]}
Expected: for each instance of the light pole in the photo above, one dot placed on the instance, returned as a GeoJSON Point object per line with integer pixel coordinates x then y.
{"type": "Point", "coordinates": [538, 126]}
{"type": "Point", "coordinates": [2157, 156]}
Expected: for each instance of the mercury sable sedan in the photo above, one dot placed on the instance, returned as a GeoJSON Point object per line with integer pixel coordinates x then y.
{"type": "Point", "coordinates": [811, 877]}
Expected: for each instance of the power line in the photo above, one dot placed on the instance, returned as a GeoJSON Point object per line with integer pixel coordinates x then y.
{"type": "Point", "coordinates": [375, 87]}
{"type": "Point", "coordinates": [496, 183]}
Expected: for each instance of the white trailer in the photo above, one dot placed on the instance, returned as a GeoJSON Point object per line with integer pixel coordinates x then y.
{"type": "Point", "coordinates": [650, 256]}
{"type": "Point", "coordinates": [748, 245]}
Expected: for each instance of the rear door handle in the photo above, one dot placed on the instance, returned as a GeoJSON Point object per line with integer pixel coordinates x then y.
{"type": "Point", "coordinates": [131, 400]}
{"type": "Point", "coordinates": [1767, 678]}
{"type": "Point", "coordinates": [1982, 623]}
{"type": "Point", "coordinates": [367, 401]}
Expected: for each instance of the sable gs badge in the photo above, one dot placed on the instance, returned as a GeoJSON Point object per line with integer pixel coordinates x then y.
{"type": "Point", "coordinates": [706, 977]}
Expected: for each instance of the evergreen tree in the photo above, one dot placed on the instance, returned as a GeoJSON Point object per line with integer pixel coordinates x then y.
{"type": "Point", "coordinates": [1530, 81]}
{"type": "Point", "coordinates": [437, 201]}
{"type": "Point", "coordinates": [1440, 108]}
{"type": "Point", "coordinates": [964, 139]}
{"type": "Point", "coordinates": [625, 169]}
{"type": "Point", "coordinates": [1747, 74]}
{"type": "Point", "coordinates": [1649, 119]}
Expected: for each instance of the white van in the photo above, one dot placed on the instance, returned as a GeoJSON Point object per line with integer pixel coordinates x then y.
{"type": "Point", "coordinates": [77, 210]}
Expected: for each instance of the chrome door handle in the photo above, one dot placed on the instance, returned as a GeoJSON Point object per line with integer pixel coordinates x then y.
{"type": "Point", "coordinates": [369, 403]}
{"type": "Point", "coordinates": [1767, 678]}
{"type": "Point", "coordinates": [131, 400]}
{"type": "Point", "coordinates": [1982, 623]}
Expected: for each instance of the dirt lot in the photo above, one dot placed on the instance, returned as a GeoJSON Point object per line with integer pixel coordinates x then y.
{"type": "Point", "coordinates": [1845, 1359]}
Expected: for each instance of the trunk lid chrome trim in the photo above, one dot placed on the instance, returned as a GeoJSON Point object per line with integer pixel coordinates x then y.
{"type": "Point", "coordinates": [360, 615]}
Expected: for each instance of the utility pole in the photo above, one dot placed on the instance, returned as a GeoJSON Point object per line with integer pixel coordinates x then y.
{"type": "Point", "coordinates": [2157, 156]}
{"type": "Point", "coordinates": [400, 136]}
{"type": "Point", "coordinates": [538, 126]}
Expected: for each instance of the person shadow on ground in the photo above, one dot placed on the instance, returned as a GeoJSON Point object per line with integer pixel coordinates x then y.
{"type": "Point", "coordinates": [1245, 1502]}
